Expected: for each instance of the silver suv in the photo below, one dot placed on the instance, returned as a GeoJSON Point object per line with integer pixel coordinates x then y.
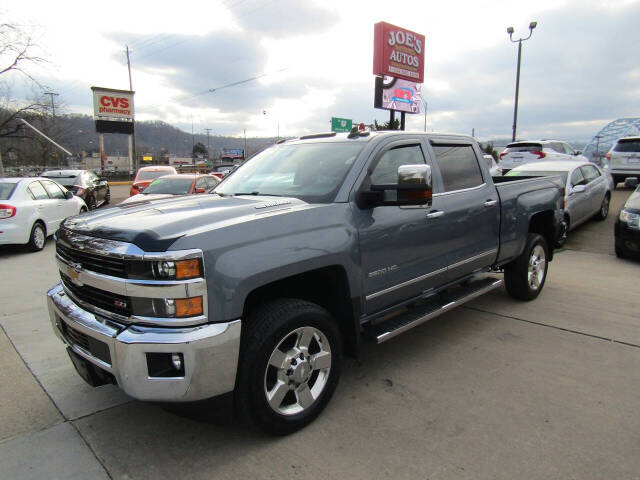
{"type": "Point", "coordinates": [519, 153]}
{"type": "Point", "coordinates": [624, 159]}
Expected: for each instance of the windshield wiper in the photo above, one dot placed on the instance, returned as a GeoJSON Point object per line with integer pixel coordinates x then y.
{"type": "Point", "coordinates": [255, 192]}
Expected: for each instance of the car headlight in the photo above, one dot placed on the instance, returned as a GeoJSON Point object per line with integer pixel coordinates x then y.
{"type": "Point", "coordinates": [631, 219]}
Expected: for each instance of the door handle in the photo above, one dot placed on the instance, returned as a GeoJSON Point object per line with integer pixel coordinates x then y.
{"type": "Point", "coordinates": [490, 203]}
{"type": "Point", "coordinates": [436, 214]}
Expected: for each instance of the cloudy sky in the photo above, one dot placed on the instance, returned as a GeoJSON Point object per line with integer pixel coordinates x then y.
{"type": "Point", "coordinates": [580, 69]}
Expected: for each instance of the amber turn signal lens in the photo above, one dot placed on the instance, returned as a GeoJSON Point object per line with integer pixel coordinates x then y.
{"type": "Point", "coordinates": [188, 269]}
{"type": "Point", "coordinates": [188, 307]}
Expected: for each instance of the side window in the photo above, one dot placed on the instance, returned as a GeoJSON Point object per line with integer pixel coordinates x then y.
{"type": "Point", "coordinates": [37, 191]}
{"type": "Point", "coordinates": [458, 166]}
{"type": "Point", "coordinates": [386, 171]}
{"type": "Point", "coordinates": [577, 178]}
{"type": "Point", "coordinates": [53, 189]}
{"type": "Point", "coordinates": [590, 173]}
{"type": "Point", "coordinates": [557, 146]}
{"type": "Point", "coordinates": [568, 150]}
{"type": "Point", "coordinates": [202, 183]}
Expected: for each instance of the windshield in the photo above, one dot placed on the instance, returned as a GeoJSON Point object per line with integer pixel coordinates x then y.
{"type": "Point", "coordinates": [6, 189]}
{"type": "Point", "coordinates": [151, 174]}
{"type": "Point", "coordinates": [311, 171]}
{"type": "Point", "coordinates": [172, 185]}
{"type": "Point", "coordinates": [536, 173]}
{"type": "Point", "coordinates": [66, 181]}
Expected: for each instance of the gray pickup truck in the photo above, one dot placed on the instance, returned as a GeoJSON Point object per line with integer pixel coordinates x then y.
{"type": "Point", "coordinates": [316, 243]}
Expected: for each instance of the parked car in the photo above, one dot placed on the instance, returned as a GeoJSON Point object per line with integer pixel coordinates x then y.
{"type": "Point", "coordinates": [146, 175]}
{"type": "Point", "coordinates": [179, 184]}
{"type": "Point", "coordinates": [587, 191]}
{"type": "Point", "coordinates": [627, 227]}
{"type": "Point", "coordinates": [624, 159]}
{"type": "Point", "coordinates": [84, 184]}
{"type": "Point", "coordinates": [31, 209]}
{"type": "Point", "coordinates": [492, 165]}
{"type": "Point", "coordinates": [520, 153]}
{"type": "Point", "coordinates": [260, 286]}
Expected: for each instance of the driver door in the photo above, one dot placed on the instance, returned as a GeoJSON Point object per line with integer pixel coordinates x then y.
{"type": "Point", "coordinates": [403, 250]}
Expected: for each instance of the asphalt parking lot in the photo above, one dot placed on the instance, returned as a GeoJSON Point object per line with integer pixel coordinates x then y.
{"type": "Point", "coordinates": [548, 389]}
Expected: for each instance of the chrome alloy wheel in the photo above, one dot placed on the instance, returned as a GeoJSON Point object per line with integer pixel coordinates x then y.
{"type": "Point", "coordinates": [297, 371]}
{"type": "Point", "coordinates": [604, 208]}
{"type": "Point", "coordinates": [537, 264]}
{"type": "Point", "coordinates": [38, 237]}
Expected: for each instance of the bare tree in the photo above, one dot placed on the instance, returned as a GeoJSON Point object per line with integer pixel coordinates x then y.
{"type": "Point", "coordinates": [16, 55]}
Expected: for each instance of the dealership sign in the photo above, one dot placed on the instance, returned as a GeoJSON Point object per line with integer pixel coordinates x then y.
{"type": "Point", "coordinates": [398, 52]}
{"type": "Point", "coordinates": [397, 94]}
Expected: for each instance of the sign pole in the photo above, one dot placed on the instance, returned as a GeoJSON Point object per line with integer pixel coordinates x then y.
{"type": "Point", "coordinates": [392, 119]}
{"type": "Point", "coordinates": [402, 117]}
{"type": "Point", "coordinates": [101, 135]}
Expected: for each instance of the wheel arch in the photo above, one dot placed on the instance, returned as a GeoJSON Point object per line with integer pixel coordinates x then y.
{"type": "Point", "coordinates": [327, 287]}
{"type": "Point", "coordinates": [543, 223]}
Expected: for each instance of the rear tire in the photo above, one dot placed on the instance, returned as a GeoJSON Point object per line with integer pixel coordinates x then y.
{"type": "Point", "coordinates": [604, 208]}
{"type": "Point", "coordinates": [620, 253]}
{"type": "Point", "coordinates": [38, 237]}
{"type": "Point", "coordinates": [525, 276]}
{"type": "Point", "coordinates": [107, 197]}
{"type": "Point", "coordinates": [289, 365]}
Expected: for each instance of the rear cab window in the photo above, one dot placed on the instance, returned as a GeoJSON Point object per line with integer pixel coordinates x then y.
{"type": "Point", "coordinates": [458, 167]}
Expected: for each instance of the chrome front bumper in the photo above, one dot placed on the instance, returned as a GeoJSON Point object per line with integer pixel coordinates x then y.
{"type": "Point", "coordinates": [210, 352]}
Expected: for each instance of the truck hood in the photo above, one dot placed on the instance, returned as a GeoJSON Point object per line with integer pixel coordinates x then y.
{"type": "Point", "coordinates": [155, 225]}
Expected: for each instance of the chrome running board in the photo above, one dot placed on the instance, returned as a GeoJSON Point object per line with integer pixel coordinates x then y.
{"type": "Point", "coordinates": [431, 308]}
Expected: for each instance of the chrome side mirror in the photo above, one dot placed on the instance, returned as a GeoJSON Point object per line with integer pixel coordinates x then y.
{"type": "Point", "coordinates": [577, 189]}
{"type": "Point", "coordinates": [415, 175]}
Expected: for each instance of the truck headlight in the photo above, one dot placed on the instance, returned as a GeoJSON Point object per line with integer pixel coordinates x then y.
{"type": "Point", "coordinates": [177, 270]}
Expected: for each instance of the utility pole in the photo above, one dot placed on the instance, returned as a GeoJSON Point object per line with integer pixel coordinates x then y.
{"type": "Point", "coordinates": [132, 138]}
{"type": "Point", "coordinates": [208, 130]}
{"type": "Point", "coordinates": [244, 152]}
{"type": "Point", "coordinates": [425, 104]}
{"type": "Point", "coordinates": [53, 105]}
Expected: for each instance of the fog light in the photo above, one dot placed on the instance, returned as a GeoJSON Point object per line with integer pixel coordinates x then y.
{"type": "Point", "coordinates": [176, 360]}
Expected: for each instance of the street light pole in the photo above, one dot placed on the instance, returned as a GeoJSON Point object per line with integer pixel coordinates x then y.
{"type": "Point", "coordinates": [510, 31]}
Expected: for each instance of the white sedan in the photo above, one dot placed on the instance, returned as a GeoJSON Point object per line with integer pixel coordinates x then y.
{"type": "Point", "coordinates": [31, 209]}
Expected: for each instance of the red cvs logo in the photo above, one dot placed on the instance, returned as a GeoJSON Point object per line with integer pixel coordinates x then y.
{"type": "Point", "coordinates": [115, 102]}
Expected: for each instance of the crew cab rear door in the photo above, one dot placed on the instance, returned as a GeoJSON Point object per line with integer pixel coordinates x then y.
{"type": "Point", "coordinates": [403, 249]}
{"type": "Point", "coordinates": [470, 207]}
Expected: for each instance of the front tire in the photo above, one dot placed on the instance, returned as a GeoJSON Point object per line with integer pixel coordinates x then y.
{"type": "Point", "coordinates": [604, 208]}
{"type": "Point", "coordinates": [564, 233]}
{"type": "Point", "coordinates": [107, 197]}
{"type": "Point", "coordinates": [38, 237]}
{"type": "Point", "coordinates": [289, 365]}
{"type": "Point", "coordinates": [525, 276]}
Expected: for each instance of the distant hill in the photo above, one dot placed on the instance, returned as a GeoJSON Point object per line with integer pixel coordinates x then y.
{"type": "Point", "coordinates": [151, 137]}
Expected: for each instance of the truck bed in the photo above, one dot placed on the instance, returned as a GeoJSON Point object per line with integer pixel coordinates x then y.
{"type": "Point", "coordinates": [520, 199]}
